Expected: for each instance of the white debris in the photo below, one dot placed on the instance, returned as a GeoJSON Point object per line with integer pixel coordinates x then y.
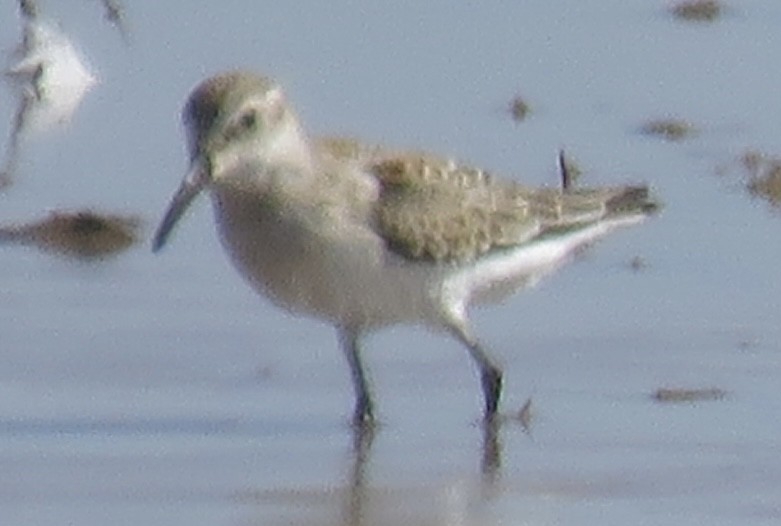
{"type": "Point", "coordinates": [53, 76]}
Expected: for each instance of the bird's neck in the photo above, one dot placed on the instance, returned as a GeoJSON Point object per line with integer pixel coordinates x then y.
{"type": "Point", "coordinates": [289, 148]}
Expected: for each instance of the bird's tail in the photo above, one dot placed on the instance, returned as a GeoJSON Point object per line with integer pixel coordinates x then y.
{"type": "Point", "coordinates": [631, 200]}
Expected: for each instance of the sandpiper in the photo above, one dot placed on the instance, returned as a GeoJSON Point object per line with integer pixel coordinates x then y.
{"type": "Point", "coordinates": [366, 237]}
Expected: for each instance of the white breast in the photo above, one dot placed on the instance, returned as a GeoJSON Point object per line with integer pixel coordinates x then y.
{"type": "Point", "coordinates": [321, 270]}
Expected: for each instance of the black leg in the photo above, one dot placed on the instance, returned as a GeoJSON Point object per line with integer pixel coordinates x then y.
{"type": "Point", "coordinates": [364, 408]}
{"type": "Point", "coordinates": [490, 373]}
{"type": "Point", "coordinates": [491, 379]}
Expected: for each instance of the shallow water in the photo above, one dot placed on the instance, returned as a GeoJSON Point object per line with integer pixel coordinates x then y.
{"type": "Point", "coordinates": [161, 390]}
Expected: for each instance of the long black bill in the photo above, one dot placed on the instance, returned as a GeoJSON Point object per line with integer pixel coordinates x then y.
{"type": "Point", "coordinates": [191, 186]}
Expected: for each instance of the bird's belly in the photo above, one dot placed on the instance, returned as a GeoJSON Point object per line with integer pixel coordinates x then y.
{"type": "Point", "coordinates": [334, 278]}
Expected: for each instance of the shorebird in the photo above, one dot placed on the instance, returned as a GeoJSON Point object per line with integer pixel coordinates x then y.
{"type": "Point", "coordinates": [366, 237]}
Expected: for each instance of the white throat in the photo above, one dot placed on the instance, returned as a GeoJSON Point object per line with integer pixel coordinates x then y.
{"type": "Point", "coordinates": [287, 146]}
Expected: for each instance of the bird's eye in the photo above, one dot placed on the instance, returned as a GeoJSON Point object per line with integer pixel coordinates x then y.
{"type": "Point", "coordinates": [248, 120]}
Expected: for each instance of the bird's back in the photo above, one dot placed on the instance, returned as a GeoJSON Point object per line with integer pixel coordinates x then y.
{"type": "Point", "coordinates": [435, 209]}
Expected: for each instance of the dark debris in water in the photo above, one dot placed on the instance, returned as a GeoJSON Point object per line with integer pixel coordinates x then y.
{"type": "Point", "coordinates": [28, 9]}
{"type": "Point", "coordinates": [115, 15]}
{"type": "Point", "coordinates": [764, 176]}
{"type": "Point", "coordinates": [668, 395]}
{"type": "Point", "coordinates": [82, 234]}
{"type": "Point", "coordinates": [525, 415]}
{"type": "Point", "coordinates": [569, 170]}
{"type": "Point", "coordinates": [519, 109]}
{"type": "Point", "coordinates": [673, 130]}
{"type": "Point", "coordinates": [698, 10]}
{"type": "Point", "coordinates": [638, 264]}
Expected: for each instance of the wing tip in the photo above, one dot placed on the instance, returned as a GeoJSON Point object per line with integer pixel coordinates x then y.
{"type": "Point", "coordinates": [632, 200]}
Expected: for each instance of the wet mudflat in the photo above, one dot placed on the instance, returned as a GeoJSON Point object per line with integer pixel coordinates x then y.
{"type": "Point", "coordinates": [142, 389]}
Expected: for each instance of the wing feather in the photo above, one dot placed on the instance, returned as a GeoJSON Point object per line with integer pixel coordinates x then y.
{"type": "Point", "coordinates": [441, 211]}
{"type": "Point", "coordinates": [434, 209]}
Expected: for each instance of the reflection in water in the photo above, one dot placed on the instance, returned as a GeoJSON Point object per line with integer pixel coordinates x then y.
{"type": "Point", "coordinates": [83, 234]}
{"type": "Point", "coordinates": [51, 79]}
{"type": "Point", "coordinates": [455, 501]}
{"type": "Point", "coordinates": [355, 509]}
{"type": "Point", "coordinates": [492, 453]}
{"type": "Point", "coordinates": [359, 502]}
{"type": "Point", "coordinates": [491, 464]}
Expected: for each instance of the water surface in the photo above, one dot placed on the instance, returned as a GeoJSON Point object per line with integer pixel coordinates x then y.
{"type": "Point", "coordinates": [160, 390]}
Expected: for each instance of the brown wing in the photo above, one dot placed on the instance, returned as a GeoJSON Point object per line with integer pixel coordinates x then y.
{"type": "Point", "coordinates": [435, 210]}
